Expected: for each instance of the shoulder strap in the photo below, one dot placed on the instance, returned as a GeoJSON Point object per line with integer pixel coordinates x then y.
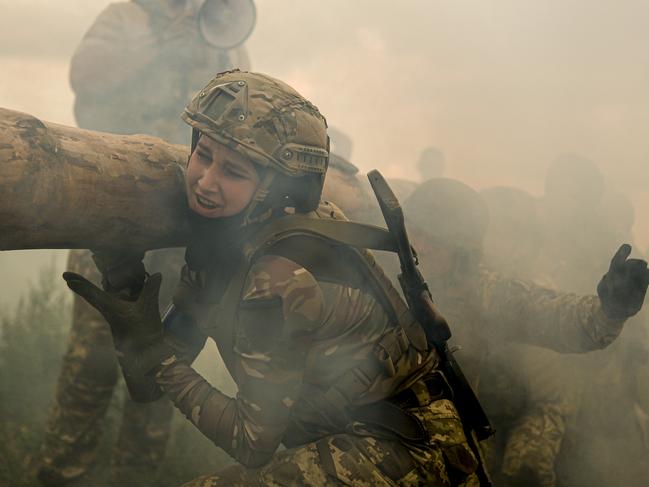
{"type": "Point", "coordinates": [358, 237]}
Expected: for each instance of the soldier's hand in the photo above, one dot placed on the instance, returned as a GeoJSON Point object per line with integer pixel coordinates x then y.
{"type": "Point", "coordinates": [622, 289]}
{"type": "Point", "coordinates": [134, 324]}
{"type": "Point", "coordinates": [137, 331]}
{"type": "Point", "coordinates": [123, 273]}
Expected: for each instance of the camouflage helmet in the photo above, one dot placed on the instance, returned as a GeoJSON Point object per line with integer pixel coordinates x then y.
{"type": "Point", "coordinates": [449, 212]}
{"type": "Point", "coordinates": [265, 120]}
{"type": "Point", "coordinates": [273, 126]}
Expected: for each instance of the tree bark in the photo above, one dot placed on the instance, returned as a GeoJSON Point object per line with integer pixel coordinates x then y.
{"type": "Point", "coordinates": [64, 187]}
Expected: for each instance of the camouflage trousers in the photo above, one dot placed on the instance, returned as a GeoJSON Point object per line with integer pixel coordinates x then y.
{"type": "Point", "coordinates": [533, 446]}
{"type": "Point", "coordinates": [85, 387]}
{"type": "Point", "coordinates": [351, 459]}
{"type": "Point", "coordinates": [530, 397]}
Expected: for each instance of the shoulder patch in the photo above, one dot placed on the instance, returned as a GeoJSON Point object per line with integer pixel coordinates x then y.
{"type": "Point", "coordinates": [278, 277]}
{"type": "Point", "coordinates": [281, 303]}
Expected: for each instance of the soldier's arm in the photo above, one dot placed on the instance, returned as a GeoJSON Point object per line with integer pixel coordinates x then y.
{"type": "Point", "coordinates": [281, 307]}
{"type": "Point", "coordinates": [565, 322]}
{"type": "Point", "coordinates": [118, 45]}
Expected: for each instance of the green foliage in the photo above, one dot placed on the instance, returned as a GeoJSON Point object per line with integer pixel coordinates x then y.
{"type": "Point", "coordinates": [32, 341]}
{"type": "Point", "coordinates": [33, 338]}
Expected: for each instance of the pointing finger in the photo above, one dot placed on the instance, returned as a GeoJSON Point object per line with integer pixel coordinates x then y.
{"type": "Point", "coordinates": [620, 256]}
{"type": "Point", "coordinates": [87, 290]}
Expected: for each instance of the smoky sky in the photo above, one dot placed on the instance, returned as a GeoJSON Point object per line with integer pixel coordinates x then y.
{"type": "Point", "coordinates": [501, 87]}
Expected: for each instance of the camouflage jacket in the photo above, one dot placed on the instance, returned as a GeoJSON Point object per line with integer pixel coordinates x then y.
{"type": "Point", "coordinates": [295, 340]}
{"type": "Point", "coordinates": [492, 310]}
{"type": "Point", "coordinates": [130, 76]}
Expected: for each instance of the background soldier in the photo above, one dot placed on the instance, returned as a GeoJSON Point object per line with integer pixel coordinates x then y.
{"type": "Point", "coordinates": [488, 311]}
{"type": "Point", "coordinates": [133, 72]}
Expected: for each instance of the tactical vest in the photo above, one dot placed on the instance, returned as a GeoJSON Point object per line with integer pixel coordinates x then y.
{"type": "Point", "coordinates": [326, 233]}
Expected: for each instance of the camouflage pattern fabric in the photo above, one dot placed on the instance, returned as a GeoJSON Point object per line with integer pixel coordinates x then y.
{"type": "Point", "coordinates": [287, 340]}
{"type": "Point", "coordinates": [491, 317]}
{"type": "Point", "coordinates": [347, 459]}
{"type": "Point", "coordinates": [533, 439]}
{"type": "Point", "coordinates": [85, 387]}
{"type": "Point", "coordinates": [305, 351]}
{"type": "Point", "coordinates": [533, 446]}
{"type": "Point", "coordinates": [489, 311]}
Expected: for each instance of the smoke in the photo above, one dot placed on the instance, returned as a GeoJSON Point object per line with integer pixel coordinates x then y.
{"type": "Point", "coordinates": [501, 88]}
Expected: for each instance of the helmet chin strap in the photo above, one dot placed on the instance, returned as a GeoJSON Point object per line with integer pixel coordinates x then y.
{"type": "Point", "coordinates": [196, 135]}
{"type": "Point", "coordinates": [254, 213]}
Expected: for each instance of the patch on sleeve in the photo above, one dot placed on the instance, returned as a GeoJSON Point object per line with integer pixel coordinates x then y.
{"type": "Point", "coordinates": [281, 302]}
{"type": "Point", "coordinates": [260, 324]}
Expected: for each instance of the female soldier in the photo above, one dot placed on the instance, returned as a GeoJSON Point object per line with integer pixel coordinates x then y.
{"type": "Point", "coordinates": [327, 359]}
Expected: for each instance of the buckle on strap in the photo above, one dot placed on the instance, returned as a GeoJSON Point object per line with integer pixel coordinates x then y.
{"type": "Point", "coordinates": [429, 388]}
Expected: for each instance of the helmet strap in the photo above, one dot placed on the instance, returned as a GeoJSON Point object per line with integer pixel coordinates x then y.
{"type": "Point", "coordinates": [256, 213]}
{"type": "Point", "coordinates": [196, 135]}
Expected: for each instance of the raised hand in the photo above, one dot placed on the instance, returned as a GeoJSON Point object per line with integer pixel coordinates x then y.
{"type": "Point", "coordinates": [622, 289]}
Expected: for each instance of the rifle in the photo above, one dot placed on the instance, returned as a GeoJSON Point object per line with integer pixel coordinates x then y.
{"type": "Point", "coordinates": [474, 419]}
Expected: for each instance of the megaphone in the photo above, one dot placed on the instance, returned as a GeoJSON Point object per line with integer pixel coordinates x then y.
{"type": "Point", "coordinates": [225, 24]}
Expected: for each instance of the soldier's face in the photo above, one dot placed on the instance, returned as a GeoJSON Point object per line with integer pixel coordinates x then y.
{"type": "Point", "coordinates": [220, 182]}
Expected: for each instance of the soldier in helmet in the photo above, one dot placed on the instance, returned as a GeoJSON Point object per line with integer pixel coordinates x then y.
{"type": "Point", "coordinates": [327, 358]}
{"type": "Point", "coordinates": [132, 73]}
{"type": "Point", "coordinates": [488, 312]}
{"type": "Point", "coordinates": [319, 358]}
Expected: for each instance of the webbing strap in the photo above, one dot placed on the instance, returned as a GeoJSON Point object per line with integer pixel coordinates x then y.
{"type": "Point", "coordinates": [358, 235]}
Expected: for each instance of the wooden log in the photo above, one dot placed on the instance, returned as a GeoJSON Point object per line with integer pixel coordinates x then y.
{"type": "Point", "coordinates": [64, 187]}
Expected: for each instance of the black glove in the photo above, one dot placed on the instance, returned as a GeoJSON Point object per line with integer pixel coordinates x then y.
{"type": "Point", "coordinates": [122, 272]}
{"type": "Point", "coordinates": [137, 330]}
{"type": "Point", "coordinates": [622, 289]}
